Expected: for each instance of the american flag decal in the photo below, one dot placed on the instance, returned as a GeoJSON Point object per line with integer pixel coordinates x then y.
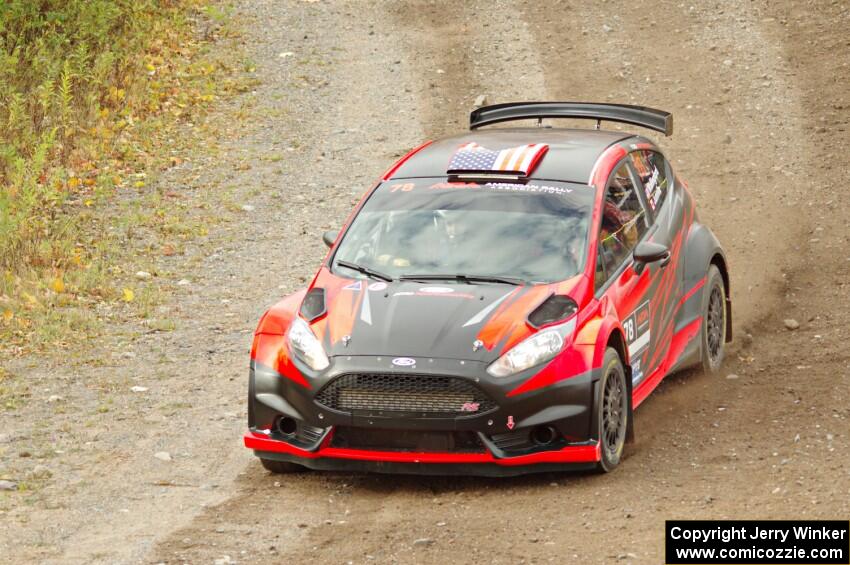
{"type": "Point", "coordinates": [472, 158]}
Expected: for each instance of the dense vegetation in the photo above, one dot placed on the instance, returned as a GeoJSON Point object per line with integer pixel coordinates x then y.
{"type": "Point", "coordinates": [85, 87]}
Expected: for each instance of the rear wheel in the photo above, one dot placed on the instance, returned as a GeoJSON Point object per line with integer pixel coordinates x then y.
{"type": "Point", "coordinates": [281, 467]}
{"type": "Point", "coordinates": [613, 402]}
{"type": "Point", "coordinates": [713, 321]}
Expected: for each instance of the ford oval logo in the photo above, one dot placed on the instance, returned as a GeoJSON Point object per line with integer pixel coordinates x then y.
{"type": "Point", "coordinates": [404, 362]}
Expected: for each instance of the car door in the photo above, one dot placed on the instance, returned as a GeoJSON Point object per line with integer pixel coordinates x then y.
{"type": "Point", "coordinates": [655, 178]}
{"type": "Point", "coordinates": [626, 221]}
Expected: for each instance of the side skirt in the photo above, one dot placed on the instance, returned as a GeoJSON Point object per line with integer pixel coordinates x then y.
{"type": "Point", "coordinates": [683, 341]}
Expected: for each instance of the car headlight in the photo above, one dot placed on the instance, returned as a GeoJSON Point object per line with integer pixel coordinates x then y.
{"type": "Point", "coordinates": [306, 345]}
{"type": "Point", "coordinates": [540, 347]}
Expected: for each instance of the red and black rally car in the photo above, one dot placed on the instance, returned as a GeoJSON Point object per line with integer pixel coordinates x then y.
{"type": "Point", "coordinates": [498, 303]}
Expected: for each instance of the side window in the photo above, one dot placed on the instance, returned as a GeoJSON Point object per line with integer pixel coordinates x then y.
{"type": "Point", "coordinates": [652, 170]}
{"type": "Point", "coordinates": [624, 221]}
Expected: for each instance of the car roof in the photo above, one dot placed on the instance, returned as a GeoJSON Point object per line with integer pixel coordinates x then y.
{"type": "Point", "coordinates": [571, 156]}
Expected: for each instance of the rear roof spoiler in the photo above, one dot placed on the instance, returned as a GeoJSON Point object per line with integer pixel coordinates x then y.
{"type": "Point", "coordinates": [651, 118]}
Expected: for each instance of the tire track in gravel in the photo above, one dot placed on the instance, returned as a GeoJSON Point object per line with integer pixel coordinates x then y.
{"type": "Point", "coordinates": [323, 108]}
{"type": "Point", "coordinates": [349, 86]}
{"type": "Point", "coordinates": [352, 127]}
{"type": "Point", "coordinates": [716, 69]}
{"type": "Point", "coordinates": [713, 66]}
{"type": "Point", "coordinates": [513, 519]}
{"type": "Point", "coordinates": [743, 141]}
{"type": "Point", "coordinates": [330, 505]}
{"type": "Point", "coordinates": [691, 459]}
{"type": "Point", "coordinates": [455, 53]}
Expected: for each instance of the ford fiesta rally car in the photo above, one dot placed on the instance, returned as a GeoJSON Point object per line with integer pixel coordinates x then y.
{"type": "Point", "coordinates": [498, 303]}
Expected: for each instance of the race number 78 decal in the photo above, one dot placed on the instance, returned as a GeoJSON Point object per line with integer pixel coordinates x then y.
{"type": "Point", "coordinates": [636, 328]}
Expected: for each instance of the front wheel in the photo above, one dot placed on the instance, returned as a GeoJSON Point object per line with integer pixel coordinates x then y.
{"type": "Point", "coordinates": [713, 321]}
{"type": "Point", "coordinates": [613, 402]}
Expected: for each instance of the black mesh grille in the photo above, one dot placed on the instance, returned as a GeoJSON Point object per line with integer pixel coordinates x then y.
{"type": "Point", "coordinates": [426, 395]}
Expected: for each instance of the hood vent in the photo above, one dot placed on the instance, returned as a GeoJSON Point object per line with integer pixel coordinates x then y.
{"type": "Point", "coordinates": [553, 309]}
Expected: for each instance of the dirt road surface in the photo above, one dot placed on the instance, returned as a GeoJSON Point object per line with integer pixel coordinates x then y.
{"type": "Point", "coordinates": [759, 94]}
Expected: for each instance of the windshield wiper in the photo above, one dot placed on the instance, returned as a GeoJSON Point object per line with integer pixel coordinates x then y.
{"type": "Point", "coordinates": [464, 278]}
{"type": "Point", "coordinates": [369, 272]}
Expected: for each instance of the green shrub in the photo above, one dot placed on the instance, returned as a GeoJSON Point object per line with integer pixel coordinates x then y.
{"type": "Point", "coordinates": [87, 88]}
{"type": "Point", "coordinates": [65, 69]}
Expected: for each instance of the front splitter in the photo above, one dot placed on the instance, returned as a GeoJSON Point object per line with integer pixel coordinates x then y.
{"type": "Point", "coordinates": [577, 457]}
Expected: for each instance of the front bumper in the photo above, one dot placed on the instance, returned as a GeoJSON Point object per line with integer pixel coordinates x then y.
{"type": "Point", "coordinates": [492, 444]}
{"type": "Point", "coordinates": [578, 457]}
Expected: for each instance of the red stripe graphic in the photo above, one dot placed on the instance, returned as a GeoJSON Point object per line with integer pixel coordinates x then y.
{"type": "Point", "coordinates": [569, 454]}
{"type": "Point", "coordinates": [693, 291]}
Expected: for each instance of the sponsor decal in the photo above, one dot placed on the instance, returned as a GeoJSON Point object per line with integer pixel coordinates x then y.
{"type": "Point", "coordinates": [535, 188]}
{"type": "Point", "coordinates": [444, 185]}
{"type": "Point", "coordinates": [470, 407]}
{"type": "Point", "coordinates": [376, 286]}
{"type": "Point", "coordinates": [447, 295]}
{"type": "Point", "coordinates": [353, 286]}
{"type": "Point", "coordinates": [504, 186]}
{"type": "Point", "coordinates": [404, 362]}
{"type": "Point", "coordinates": [404, 187]}
{"type": "Point", "coordinates": [636, 328]}
{"type": "Point", "coordinates": [651, 188]}
{"type": "Point", "coordinates": [366, 309]}
{"type": "Point", "coordinates": [404, 293]}
{"type": "Point", "coordinates": [637, 372]}
{"type": "Point", "coordinates": [510, 423]}
{"type": "Point", "coordinates": [436, 290]}
{"type": "Point", "coordinates": [642, 317]}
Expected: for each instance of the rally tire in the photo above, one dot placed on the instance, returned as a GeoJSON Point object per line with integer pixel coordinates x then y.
{"type": "Point", "coordinates": [281, 467]}
{"type": "Point", "coordinates": [713, 332]}
{"type": "Point", "coordinates": [613, 411]}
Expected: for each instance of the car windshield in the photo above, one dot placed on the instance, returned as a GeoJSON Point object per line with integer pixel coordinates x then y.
{"type": "Point", "coordinates": [536, 231]}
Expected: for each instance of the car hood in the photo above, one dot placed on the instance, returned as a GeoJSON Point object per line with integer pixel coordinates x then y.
{"type": "Point", "coordinates": [474, 322]}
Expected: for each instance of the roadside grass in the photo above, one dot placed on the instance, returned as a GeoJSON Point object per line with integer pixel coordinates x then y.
{"type": "Point", "coordinates": [97, 98]}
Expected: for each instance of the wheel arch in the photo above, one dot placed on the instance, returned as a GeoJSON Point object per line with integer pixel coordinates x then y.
{"type": "Point", "coordinates": [719, 261]}
{"type": "Point", "coordinates": [617, 341]}
{"type": "Point", "coordinates": [702, 251]}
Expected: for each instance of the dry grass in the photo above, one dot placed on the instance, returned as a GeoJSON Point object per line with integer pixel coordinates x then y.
{"type": "Point", "coordinates": [95, 99]}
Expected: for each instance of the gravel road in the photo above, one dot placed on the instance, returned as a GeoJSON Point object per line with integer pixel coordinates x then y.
{"type": "Point", "coordinates": [759, 94]}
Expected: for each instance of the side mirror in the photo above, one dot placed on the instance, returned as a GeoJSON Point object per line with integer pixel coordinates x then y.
{"type": "Point", "coordinates": [329, 237]}
{"type": "Point", "coordinates": [649, 252]}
